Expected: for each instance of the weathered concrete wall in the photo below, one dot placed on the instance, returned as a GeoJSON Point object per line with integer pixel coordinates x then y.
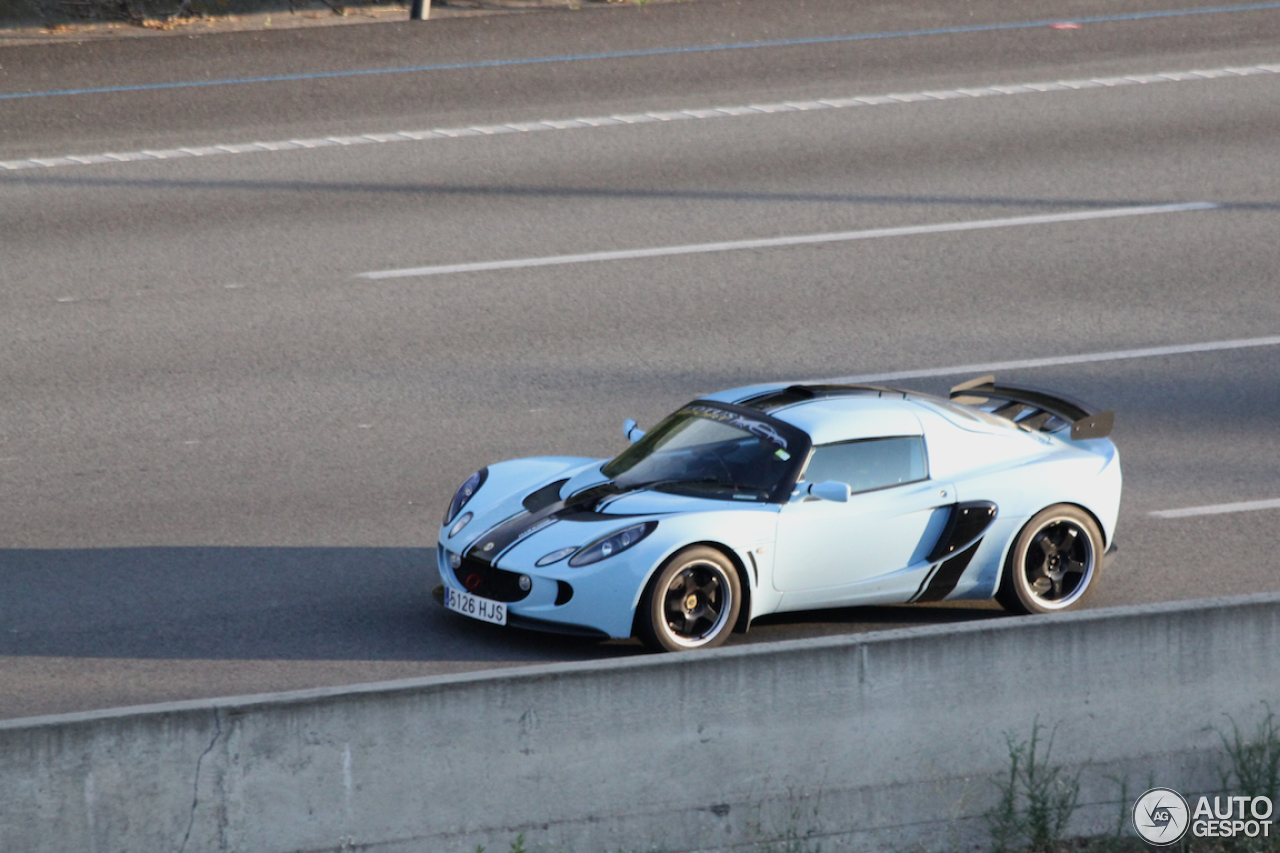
{"type": "Point", "coordinates": [889, 739]}
{"type": "Point", "coordinates": [17, 10]}
{"type": "Point", "coordinates": [18, 13]}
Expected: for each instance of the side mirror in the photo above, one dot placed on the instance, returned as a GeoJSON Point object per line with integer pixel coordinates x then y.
{"type": "Point", "coordinates": [632, 430]}
{"type": "Point", "coordinates": [827, 490]}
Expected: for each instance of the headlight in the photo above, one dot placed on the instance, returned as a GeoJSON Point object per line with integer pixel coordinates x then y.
{"type": "Point", "coordinates": [612, 544]}
{"type": "Point", "coordinates": [465, 491]}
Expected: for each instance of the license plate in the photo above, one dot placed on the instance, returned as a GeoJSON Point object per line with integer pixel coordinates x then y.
{"type": "Point", "coordinates": [475, 606]}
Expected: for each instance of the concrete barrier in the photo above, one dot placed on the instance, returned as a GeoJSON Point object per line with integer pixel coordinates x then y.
{"type": "Point", "coordinates": [861, 742]}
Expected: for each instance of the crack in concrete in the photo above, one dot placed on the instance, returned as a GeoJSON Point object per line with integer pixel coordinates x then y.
{"type": "Point", "coordinates": [195, 794]}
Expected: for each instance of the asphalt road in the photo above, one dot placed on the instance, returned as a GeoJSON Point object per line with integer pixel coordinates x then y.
{"type": "Point", "coordinates": [224, 453]}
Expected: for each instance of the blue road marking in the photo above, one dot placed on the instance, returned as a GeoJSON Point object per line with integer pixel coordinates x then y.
{"type": "Point", "coordinates": [756, 45]}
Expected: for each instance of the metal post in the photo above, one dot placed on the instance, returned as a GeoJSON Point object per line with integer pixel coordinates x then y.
{"type": "Point", "coordinates": [420, 10]}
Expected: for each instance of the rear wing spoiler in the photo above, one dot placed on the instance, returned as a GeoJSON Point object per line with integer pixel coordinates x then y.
{"type": "Point", "coordinates": [1034, 409]}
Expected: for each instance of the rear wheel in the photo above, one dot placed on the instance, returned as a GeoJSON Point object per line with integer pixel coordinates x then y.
{"type": "Point", "coordinates": [691, 603]}
{"type": "Point", "coordinates": [1054, 563]}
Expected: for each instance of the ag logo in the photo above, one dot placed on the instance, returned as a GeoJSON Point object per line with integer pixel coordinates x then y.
{"type": "Point", "coordinates": [1161, 817]}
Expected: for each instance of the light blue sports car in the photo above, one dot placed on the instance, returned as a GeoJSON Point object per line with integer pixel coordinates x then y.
{"type": "Point", "coordinates": [778, 498]}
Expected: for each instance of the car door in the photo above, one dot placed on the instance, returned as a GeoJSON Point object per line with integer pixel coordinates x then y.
{"type": "Point", "coordinates": [827, 551]}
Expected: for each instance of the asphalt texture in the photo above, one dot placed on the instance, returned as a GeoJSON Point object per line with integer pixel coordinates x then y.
{"type": "Point", "coordinates": [223, 454]}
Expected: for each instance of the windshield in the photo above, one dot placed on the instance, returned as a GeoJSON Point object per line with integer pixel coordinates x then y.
{"type": "Point", "coordinates": [714, 451]}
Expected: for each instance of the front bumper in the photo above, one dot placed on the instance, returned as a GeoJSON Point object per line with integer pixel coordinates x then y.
{"type": "Point", "coordinates": [540, 625]}
{"type": "Point", "coordinates": [550, 604]}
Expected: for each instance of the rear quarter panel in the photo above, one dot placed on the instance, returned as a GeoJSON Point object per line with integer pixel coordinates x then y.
{"type": "Point", "coordinates": [1022, 473]}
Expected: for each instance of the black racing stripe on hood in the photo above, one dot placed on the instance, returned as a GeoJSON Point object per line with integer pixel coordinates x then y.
{"type": "Point", "coordinates": [578, 507]}
{"type": "Point", "coordinates": [544, 497]}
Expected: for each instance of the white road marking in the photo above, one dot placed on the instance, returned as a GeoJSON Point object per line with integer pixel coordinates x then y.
{"type": "Point", "coordinates": [1052, 361]}
{"type": "Point", "coordinates": [668, 115]}
{"type": "Point", "coordinates": [1217, 509]}
{"type": "Point", "coordinates": [797, 240]}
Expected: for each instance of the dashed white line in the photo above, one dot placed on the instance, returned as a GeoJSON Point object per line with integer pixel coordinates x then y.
{"type": "Point", "coordinates": [1217, 509]}
{"type": "Point", "coordinates": [1053, 361]}
{"type": "Point", "coordinates": [668, 115]}
{"type": "Point", "coordinates": [797, 240]}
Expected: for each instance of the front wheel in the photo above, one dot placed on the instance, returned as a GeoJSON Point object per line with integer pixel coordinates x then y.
{"type": "Point", "coordinates": [1054, 563]}
{"type": "Point", "coordinates": [691, 603]}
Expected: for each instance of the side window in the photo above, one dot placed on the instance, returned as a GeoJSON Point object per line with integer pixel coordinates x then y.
{"type": "Point", "coordinates": [871, 464]}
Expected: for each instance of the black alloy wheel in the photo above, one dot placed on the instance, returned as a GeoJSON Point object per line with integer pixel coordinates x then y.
{"type": "Point", "coordinates": [1054, 563]}
{"type": "Point", "coordinates": [692, 602]}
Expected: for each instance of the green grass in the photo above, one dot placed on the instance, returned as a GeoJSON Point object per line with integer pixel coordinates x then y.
{"type": "Point", "coordinates": [1037, 798]}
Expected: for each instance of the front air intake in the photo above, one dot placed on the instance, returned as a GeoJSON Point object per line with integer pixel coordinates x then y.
{"type": "Point", "coordinates": [479, 578]}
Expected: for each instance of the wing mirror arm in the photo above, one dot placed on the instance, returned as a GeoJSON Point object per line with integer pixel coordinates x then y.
{"type": "Point", "coordinates": [632, 430]}
{"type": "Point", "coordinates": [827, 490]}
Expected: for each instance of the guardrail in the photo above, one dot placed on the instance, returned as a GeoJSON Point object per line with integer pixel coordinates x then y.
{"type": "Point", "coordinates": [865, 741]}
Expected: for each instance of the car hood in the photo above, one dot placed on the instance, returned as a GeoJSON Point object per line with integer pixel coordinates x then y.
{"type": "Point", "coordinates": [631, 501]}
{"type": "Point", "coordinates": [587, 486]}
{"type": "Point", "coordinates": [561, 502]}
{"type": "Point", "coordinates": [647, 502]}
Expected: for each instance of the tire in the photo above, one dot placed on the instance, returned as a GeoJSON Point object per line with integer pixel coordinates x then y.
{"type": "Point", "coordinates": [692, 602]}
{"type": "Point", "coordinates": [1054, 563]}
